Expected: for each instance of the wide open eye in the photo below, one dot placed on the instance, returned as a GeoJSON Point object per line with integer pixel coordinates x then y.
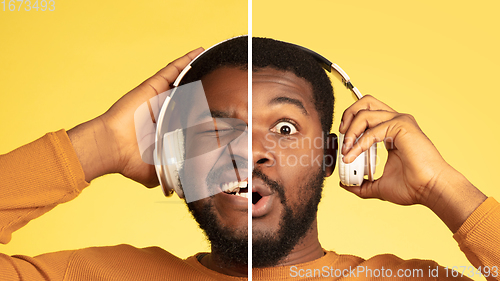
{"type": "Point", "coordinates": [285, 128]}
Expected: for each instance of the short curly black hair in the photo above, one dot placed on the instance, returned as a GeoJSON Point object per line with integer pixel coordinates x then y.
{"type": "Point", "coordinates": [275, 54]}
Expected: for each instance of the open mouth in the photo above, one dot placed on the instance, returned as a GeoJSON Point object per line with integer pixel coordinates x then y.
{"type": "Point", "coordinates": [236, 188]}
{"type": "Point", "coordinates": [240, 188]}
{"type": "Point", "coordinates": [262, 198]}
{"type": "Point", "coordinates": [255, 197]}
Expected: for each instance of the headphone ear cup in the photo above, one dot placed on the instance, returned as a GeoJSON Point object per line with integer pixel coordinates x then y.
{"type": "Point", "coordinates": [351, 174]}
{"type": "Point", "coordinates": [342, 168]}
{"type": "Point", "coordinates": [342, 165]}
{"type": "Point", "coordinates": [179, 151]}
{"type": "Point", "coordinates": [370, 169]}
{"type": "Point", "coordinates": [173, 147]}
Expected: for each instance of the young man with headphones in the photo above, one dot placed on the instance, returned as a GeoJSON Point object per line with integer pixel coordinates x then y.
{"type": "Point", "coordinates": [288, 105]}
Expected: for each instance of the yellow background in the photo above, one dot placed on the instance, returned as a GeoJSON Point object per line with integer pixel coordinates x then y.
{"type": "Point", "coordinates": [59, 69]}
{"type": "Point", "coordinates": [437, 60]}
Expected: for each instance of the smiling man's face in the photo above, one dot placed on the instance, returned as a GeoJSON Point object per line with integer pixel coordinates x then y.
{"type": "Point", "coordinates": [224, 217]}
{"type": "Point", "coordinates": [287, 182]}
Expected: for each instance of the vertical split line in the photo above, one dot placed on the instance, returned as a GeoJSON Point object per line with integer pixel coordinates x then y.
{"type": "Point", "coordinates": [250, 161]}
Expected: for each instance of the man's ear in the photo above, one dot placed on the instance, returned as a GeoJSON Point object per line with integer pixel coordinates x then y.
{"type": "Point", "coordinates": [330, 157]}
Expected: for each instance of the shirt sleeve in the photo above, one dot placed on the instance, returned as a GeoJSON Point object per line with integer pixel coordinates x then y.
{"type": "Point", "coordinates": [479, 238]}
{"type": "Point", "coordinates": [35, 178]}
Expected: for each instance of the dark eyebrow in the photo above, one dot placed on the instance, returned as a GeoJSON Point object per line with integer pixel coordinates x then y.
{"type": "Point", "coordinates": [220, 114]}
{"type": "Point", "coordinates": [213, 114]}
{"type": "Point", "coordinates": [287, 100]}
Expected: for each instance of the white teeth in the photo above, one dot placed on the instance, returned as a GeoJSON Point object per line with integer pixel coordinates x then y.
{"type": "Point", "coordinates": [235, 186]}
{"type": "Point", "coordinates": [243, 194]}
{"type": "Point", "coordinates": [230, 187]}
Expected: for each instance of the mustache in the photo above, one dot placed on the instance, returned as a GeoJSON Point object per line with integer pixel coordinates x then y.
{"type": "Point", "coordinates": [273, 185]}
{"type": "Point", "coordinates": [213, 177]}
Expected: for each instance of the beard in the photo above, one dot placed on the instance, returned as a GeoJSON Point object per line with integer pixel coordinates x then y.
{"type": "Point", "coordinates": [268, 249]}
{"type": "Point", "coordinates": [229, 245]}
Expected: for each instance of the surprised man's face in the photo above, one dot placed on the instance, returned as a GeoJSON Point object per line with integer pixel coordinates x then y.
{"type": "Point", "coordinates": [287, 147]}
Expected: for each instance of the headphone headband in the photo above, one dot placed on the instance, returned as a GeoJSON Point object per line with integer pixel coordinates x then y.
{"type": "Point", "coordinates": [329, 66]}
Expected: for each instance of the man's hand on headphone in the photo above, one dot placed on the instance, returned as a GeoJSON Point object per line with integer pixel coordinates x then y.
{"type": "Point", "coordinates": [415, 172]}
{"type": "Point", "coordinates": [108, 143]}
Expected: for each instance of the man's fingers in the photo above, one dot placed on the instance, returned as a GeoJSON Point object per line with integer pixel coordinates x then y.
{"type": "Point", "coordinates": [370, 137]}
{"type": "Point", "coordinates": [161, 81]}
{"type": "Point", "coordinates": [366, 103]}
{"type": "Point", "coordinates": [364, 119]}
{"type": "Point", "coordinates": [367, 190]}
{"type": "Point", "coordinates": [173, 69]}
{"type": "Point", "coordinates": [387, 131]}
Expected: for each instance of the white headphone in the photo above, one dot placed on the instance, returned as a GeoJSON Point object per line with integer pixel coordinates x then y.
{"type": "Point", "coordinates": [169, 147]}
{"type": "Point", "coordinates": [364, 165]}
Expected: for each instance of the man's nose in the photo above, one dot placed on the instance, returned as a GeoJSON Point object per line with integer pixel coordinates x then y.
{"type": "Point", "coordinates": [239, 146]}
{"type": "Point", "coordinates": [262, 150]}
